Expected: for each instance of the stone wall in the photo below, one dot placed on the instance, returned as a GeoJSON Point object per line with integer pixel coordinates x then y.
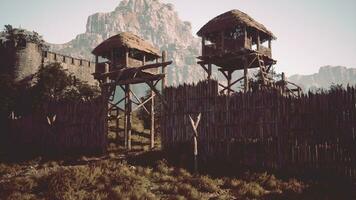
{"type": "Point", "coordinates": [24, 62]}
{"type": "Point", "coordinates": [27, 61]}
{"type": "Point", "coordinates": [80, 68]}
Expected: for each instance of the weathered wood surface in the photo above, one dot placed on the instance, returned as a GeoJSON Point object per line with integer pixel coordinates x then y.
{"type": "Point", "coordinates": [265, 129]}
{"type": "Point", "coordinates": [60, 127]}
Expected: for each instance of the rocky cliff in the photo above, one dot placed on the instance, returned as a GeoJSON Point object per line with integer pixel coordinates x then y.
{"type": "Point", "coordinates": [326, 76]}
{"type": "Point", "coordinates": [152, 20]}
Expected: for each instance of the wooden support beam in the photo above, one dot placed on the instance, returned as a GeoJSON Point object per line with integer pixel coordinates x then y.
{"type": "Point", "coordinates": [224, 73]}
{"type": "Point", "coordinates": [225, 88]}
{"type": "Point", "coordinates": [152, 131]}
{"type": "Point", "coordinates": [128, 110]}
{"type": "Point", "coordinates": [141, 68]}
{"type": "Point", "coordinates": [164, 103]}
{"type": "Point", "coordinates": [246, 81]}
{"type": "Point", "coordinates": [143, 103]}
{"type": "Point", "coordinates": [229, 73]}
{"type": "Point", "coordinates": [137, 80]}
{"type": "Point", "coordinates": [232, 84]}
{"type": "Point", "coordinates": [258, 41]}
{"type": "Point", "coordinates": [126, 58]}
{"type": "Point", "coordinates": [270, 44]}
{"type": "Point", "coordinates": [116, 104]}
{"type": "Point", "coordinates": [203, 66]}
{"type": "Point", "coordinates": [104, 96]}
{"type": "Point", "coordinates": [164, 70]}
{"type": "Point", "coordinates": [140, 102]}
{"type": "Point", "coordinates": [203, 45]}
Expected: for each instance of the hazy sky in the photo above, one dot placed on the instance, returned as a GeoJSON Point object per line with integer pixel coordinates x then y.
{"type": "Point", "coordinates": [311, 33]}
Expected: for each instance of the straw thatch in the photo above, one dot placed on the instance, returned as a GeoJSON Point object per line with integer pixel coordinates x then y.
{"type": "Point", "coordinates": [126, 40]}
{"type": "Point", "coordinates": [230, 20]}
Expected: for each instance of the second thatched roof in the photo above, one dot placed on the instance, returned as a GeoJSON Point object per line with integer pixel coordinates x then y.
{"type": "Point", "coordinates": [126, 40]}
{"type": "Point", "coordinates": [231, 19]}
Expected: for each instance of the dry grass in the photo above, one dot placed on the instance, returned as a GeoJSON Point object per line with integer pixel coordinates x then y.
{"type": "Point", "coordinates": [111, 177]}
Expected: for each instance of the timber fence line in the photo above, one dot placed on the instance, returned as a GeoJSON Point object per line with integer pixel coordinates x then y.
{"type": "Point", "coordinates": [315, 132]}
{"type": "Point", "coordinates": [60, 127]}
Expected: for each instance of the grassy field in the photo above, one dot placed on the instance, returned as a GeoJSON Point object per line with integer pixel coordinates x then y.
{"type": "Point", "coordinates": [116, 176]}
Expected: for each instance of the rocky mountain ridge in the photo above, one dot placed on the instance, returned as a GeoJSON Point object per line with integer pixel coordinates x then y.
{"type": "Point", "coordinates": [325, 77]}
{"type": "Point", "coordinates": [152, 20]}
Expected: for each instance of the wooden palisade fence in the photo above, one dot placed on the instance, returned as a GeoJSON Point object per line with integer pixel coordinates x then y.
{"type": "Point", "coordinates": [60, 128]}
{"type": "Point", "coordinates": [315, 132]}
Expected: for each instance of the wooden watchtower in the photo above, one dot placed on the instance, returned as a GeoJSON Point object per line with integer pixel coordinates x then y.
{"type": "Point", "coordinates": [234, 41]}
{"type": "Point", "coordinates": [121, 61]}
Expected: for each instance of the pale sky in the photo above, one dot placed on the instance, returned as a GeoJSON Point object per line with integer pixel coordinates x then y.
{"type": "Point", "coordinates": [311, 33]}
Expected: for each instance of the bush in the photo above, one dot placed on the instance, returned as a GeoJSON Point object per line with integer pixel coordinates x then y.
{"type": "Point", "coordinates": [206, 184]}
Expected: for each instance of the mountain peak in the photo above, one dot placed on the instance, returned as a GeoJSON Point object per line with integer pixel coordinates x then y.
{"type": "Point", "coordinates": [153, 21]}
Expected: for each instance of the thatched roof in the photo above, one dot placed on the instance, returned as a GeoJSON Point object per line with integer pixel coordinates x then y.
{"type": "Point", "coordinates": [230, 20]}
{"type": "Point", "coordinates": [126, 40]}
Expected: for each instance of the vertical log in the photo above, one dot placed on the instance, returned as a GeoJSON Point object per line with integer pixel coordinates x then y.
{"type": "Point", "coordinates": [246, 84]}
{"type": "Point", "coordinates": [127, 57]}
{"type": "Point", "coordinates": [203, 46]}
{"type": "Point", "coordinates": [164, 79]}
{"type": "Point", "coordinates": [247, 42]}
{"type": "Point", "coordinates": [229, 73]}
{"type": "Point", "coordinates": [258, 42]}
{"type": "Point", "coordinates": [128, 109]}
{"type": "Point", "coordinates": [270, 44]}
{"type": "Point", "coordinates": [104, 93]}
{"type": "Point", "coordinates": [96, 63]}
{"type": "Point", "coordinates": [152, 120]}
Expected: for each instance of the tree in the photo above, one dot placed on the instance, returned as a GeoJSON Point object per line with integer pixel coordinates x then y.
{"type": "Point", "coordinates": [52, 80]}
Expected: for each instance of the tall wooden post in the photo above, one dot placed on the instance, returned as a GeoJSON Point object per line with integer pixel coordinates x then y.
{"type": "Point", "coordinates": [104, 93]}
{"type": "Point", "coordinates": [284, 83]}
{"type": "Point", "coordinates": [128, 109]}
{"type": "Point", "coordinates": [152, 119]}
{"type": "Point", "coordinates": [164, 71]}
{"type": "Point", "coordinates": [246, 84]}
{"type": "Point", "coordinates": [229, 73]}
{"type": "Point", "coordinates": [270, 44]}
{"type": "Point", "coordinates": [258, 41]}
{"type": "Point", "coordinates": [203, 46]}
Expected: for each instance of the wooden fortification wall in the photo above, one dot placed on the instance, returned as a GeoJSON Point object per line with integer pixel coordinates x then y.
{"type": "Point", "coordinates": [264, 129]}
{"type": "Point", "coordinates": [60, 128]}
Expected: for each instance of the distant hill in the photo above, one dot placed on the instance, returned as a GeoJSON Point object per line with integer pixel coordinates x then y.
{"type": "Point", "coordinates": [326, 76]}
